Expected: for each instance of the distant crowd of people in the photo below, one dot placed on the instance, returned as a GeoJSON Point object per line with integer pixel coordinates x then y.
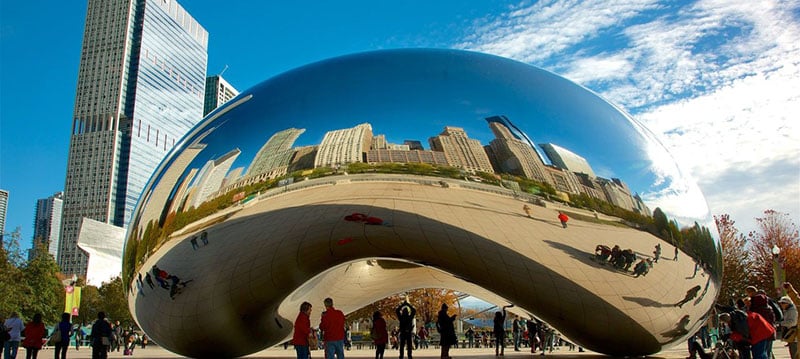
{"type": "Point", "coordinates": [332, 333]}
{"type": "Point", "coordinates": [103, 338]}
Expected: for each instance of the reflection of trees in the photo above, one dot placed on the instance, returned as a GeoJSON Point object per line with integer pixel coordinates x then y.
{"type": "Point", "coordinates": [427, 301]}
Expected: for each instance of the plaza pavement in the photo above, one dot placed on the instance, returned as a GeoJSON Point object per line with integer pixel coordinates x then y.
{"type": "Point", "coordinates": [677, 352]}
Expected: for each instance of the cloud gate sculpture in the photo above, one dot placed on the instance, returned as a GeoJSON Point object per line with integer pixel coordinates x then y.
{"type": "Point", "coordinates": [371, 174]}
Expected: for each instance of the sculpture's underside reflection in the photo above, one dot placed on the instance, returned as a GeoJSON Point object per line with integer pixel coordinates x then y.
{"type": "Point", "coordinates": [308, 238]}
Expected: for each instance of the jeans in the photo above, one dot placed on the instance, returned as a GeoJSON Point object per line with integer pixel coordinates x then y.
{"type": "Point", "coordinates": [302, 351]}
{"type": "Point", "coordinates": [405, 341]}
{"type": "Point", "coordinates": [334, 347]}
{"type": "Point", "coordinates": [761, 349]}
{"type": "Point", "coordinates": [61, 350]}
{"type": "Point", "coordinates": [517, 337]}
{"type": "Point", "coordinates": [10, 349]}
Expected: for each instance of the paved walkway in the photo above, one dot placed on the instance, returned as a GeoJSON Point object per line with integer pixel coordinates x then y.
{"type": "Point", "coordinates": [678, 352]}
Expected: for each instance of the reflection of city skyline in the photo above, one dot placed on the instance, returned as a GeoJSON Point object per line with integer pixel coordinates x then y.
{"type": "Point", "coordinates": [511, 152]}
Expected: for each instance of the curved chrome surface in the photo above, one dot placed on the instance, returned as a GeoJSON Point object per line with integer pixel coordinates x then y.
{"type": "Point", "coordinates": [305, 187]}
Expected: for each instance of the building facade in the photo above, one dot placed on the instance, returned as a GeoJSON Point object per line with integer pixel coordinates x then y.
{"type": "Point", "coordinates": [47, 223]}
{"type": "Point", "coordinates": [344, 146]}
{"type": "Point", "coordinates": [218, 92]}
{"type": "Point", "coordinates": [3, 210]}
{"type": "Point", "coordinates": [566, 159]}
{"type": "Point", "coordinates": [461, 151]}
{"type": "Point", "coordinates": [140, 88]}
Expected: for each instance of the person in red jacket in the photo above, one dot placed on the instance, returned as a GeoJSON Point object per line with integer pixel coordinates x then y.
{"type": "Point", "coordinates": [34, 335]}
{"type": "Point", "coordinates": [563, 218]}
{"type": "Point", "coordinates": [380, 336]}
{"type": "Point", "coordinates": [302, 330]}
{"type": "Point", "coordinates": [332, 327]}
{"type": "Point", "coordinates": [760, 337]}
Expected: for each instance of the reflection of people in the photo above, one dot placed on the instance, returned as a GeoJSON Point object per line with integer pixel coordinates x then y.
{"type": "Point", "coordinates": [690, 294]}
{"type": "Point", "coordinates": [563, 218]}
{"type": "Point", "coordinates": [332, 327]}
{"type": "Point", "coordinates": [380, 336]}
{"type": "Point", "coordinates": [405, 315]}
{"type": "Point", "coordinates": [447, 330]}
{"type": "Point", "coordinates": [302, 330]}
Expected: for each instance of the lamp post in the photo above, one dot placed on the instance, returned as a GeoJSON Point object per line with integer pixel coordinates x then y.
{"type": "Point", "coordinates": [778, 274]}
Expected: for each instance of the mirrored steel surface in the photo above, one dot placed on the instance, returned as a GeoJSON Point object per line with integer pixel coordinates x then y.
{"type": "Point", "coordinates": [371, 174]}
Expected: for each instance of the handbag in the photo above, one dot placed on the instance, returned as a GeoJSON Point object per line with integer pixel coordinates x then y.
{"type": "Point", "coordinates": [55, 338]}
{"type": "Point", "coordinates": [313, 344]}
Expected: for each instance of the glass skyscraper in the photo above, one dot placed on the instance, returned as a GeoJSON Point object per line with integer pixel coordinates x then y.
{"type": "Point", "coordinates": [140, 89]}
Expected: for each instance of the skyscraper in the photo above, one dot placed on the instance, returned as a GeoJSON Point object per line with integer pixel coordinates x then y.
{"type": "Point", "coordinates": [47, 223]}
{"type": "Point", "coordinates": [3, 209]}
{"type": "Point", "coordinates": [566, 159]}
{"type": "Point", "coordinates": [344, 146]}
{"type": "Point", "coordinates": [461, 151]}
{"type": "Point", "coordinates": [218, 92]}
{"type": "Point", "coordinates": [140, 89]}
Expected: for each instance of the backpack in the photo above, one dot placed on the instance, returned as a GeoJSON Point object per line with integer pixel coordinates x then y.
{"type": "Point", "coordinates": [776, 309]}
{"type": "Point", "coordinates": [739, 323]}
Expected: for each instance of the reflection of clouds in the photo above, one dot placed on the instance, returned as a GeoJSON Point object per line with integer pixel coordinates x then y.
{"type": "Point", "coordinates": [716, 79]}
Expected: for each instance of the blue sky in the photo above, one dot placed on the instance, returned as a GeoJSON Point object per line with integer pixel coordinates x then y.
{"type": "Point", "coordinates": [717, 81]}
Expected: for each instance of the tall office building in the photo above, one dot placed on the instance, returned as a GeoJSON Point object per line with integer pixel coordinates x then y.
{"type": "Point", "coordinates": [344, 146]}
{"type": "Point", "coordinates": [140, 89]}
{"type": "Point", "coordinates": [218, 92]}
{"type": "Point", "coordinates": [47, 223]}
{"type": "Point", "coordinates": [566, 159]}
{"type": "Point", "coordinates": [3, 209]}
{"type": "Point", "coordinates": [461, 151]}
{"type": "Point", "coordinates": [514, 155]}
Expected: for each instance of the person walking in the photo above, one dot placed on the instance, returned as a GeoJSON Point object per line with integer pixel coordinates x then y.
{"type": "Point", "coordinates": [332, 327]}
{"type": "Point", "coordinates": [14, 326]}
{"type": "Point", "coordinates": [516, 330]}
{"type": "Point", "coordinates": [35, 332]}
{"type": "Point", "coordinates": [527, 210]}
{"type": "Point", "coordinates": [64, 328]}
{"type": "Point", "coordinates": [563, 218]}
{"type": "Point", "coordinates": [789, 324]}
{"type": "Point", "coordinates": [101, 337]}
{"type": "Point", "coordinates": [405, 315]}
{"type": "Point", "coordinates": [447, 331]}
{"type": "Point", "coordinates": [302, 331]}
{"type": "Point", "coordinates": [379, 333]}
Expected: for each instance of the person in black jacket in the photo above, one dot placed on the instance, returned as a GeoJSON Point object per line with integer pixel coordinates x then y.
{"type": "Point", "coordinates": [100, 329]}
{"type": "Point", "coordinates": [405, 314]}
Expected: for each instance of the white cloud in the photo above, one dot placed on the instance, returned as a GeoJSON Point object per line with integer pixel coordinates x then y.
{"type": "Point", "coordinates": [717, 80]}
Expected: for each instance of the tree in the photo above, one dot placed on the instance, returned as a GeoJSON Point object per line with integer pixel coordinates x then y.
{"type": "Point", "coordinates": [735, 259]}
{"type": "Point", "coordinates": [114, 302]}
{"type": "Point", "coordinates": [91, 304]}
{"type": "Point", "coordinates": [774, 229]}
{"type": "Point", "coordinates": [40, 278]}
{"type": "Point", "coordinates": [11, 286]}
{"type": "Point", "coordinates": [427, 301]}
